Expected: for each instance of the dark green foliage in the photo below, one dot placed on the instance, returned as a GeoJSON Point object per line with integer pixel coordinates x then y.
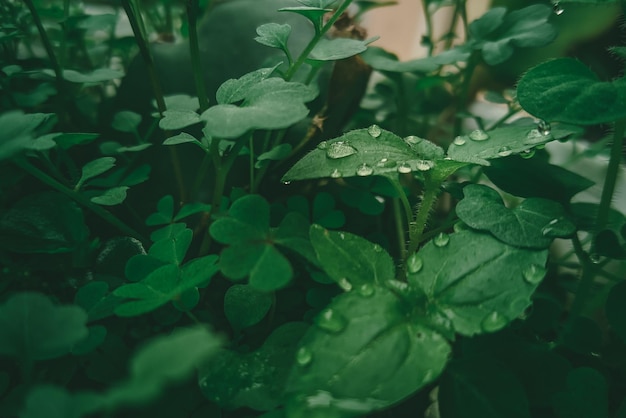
{"type": "Point", "coordinates": [420, 258]}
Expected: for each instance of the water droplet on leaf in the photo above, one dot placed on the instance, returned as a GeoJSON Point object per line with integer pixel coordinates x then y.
{"type": "Point", "coordinates": [386, 163]}
{"type": "Point", "coordinates": [374, 131]}
{"type": "Point", "coordinates": [397, 285]}
{"type": "Point", "coordinates": [366, 290]}
{"type": "Point", "coordinates": [534, 273]}
{"type": "Point", "coordinates": [339, 149]}
{"type": "Point", "coordinates": [557, 9]}
{"type": "Point", "coordinates": [505, 152]}
{"type": "Point", "coordinates": [286, 183]}
{"type": "Point", "coordinates": [441, 239]}
{"type": "Point", "coordinates": [335, 174]}
{"type": "Point", "coordinates": [330, 320]}
{"type": "Point", "coordinates": [413, 140]}
{"type": "Point", "coordinates": [544, 128]}
{"type": "Point", "coordinates": [595, 258]}
{"type": "Point", "coordinates": [493, 322]}
{"type": "Point", "coordinates": [322, 145]}
{"type": "Point", "coordinates": [478, 135]}
{"type": "Point", "coordinates": [459, 140]}
{"type": "Point", "coordinates": [424, 165]}
{"type": "Point", "coordinates": [414, 263]}
{"type": "Point", "coordinates": [304, 356]}
{"type": "Point", "coordinates": [364, 170]}
{"type": "Point", "coordinates": [529, 153]}
{"type": "Point", "coordinates": [344, 284]}
{"type": "Point", "coordinates": [404, 168]}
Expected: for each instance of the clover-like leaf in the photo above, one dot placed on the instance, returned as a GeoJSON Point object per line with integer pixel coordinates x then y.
{"type": "Point", "coordinates": [111, 197]}
{"type": "Point", "coordinates": [164, 284]}
{"type": "Point", "coordinates": [95, 168]}
{"type": "Point", "coordinates": [95, 299]}
{"type": "Point", "coordinates": [33, 328]}
{"type": "Point", "coordinates": [236, 89]}
{"type": "Point", "coordinates": [350, 260]}
{"type": "Point", "coordinates": [338, 48]}
{"type": "Point", "coordinates": [478, 147]}
{"type": "Point", "coordinates": [475, 281]}
{"type": "Point", "coordinates": [566, 90]}
{"type": "Point", "coordinates": [126, 121]}
{"type": "Point", "coordinates": [273, 35]}
{"type": "Point", "coordinates": [252, 251]}
{"type": "Point", "coordinates": [262, 384]}
{"type": "Point", "coordinates": [69, 140]}
{"type": "Point", "coordinates": [272, 103]}
{"type": "Point", "coordinates": [245, 306]}
{"type": "Point", "coordinates": [43, 223]}
{"type": "Point", "coordinates": [339, 359]}
{"type": "Point", "coordinates": [534, 223]}
{"type": "Point", "coordinates": [366, 152]}
{"type": "Point", "coordinates": [497, 33]}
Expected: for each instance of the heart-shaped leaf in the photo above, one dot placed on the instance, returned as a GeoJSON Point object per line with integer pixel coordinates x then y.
{"type": "Point", "coordinates": [33, 328]}
{"type": "Point", "coordinates": [565, 90]}
{"type": "Point", "coordinates": [534, 223]}
{"type": "Point", "coordinates": [477, 282]}
{"type": "Point", "coordinates": [236, 89]}
{"type": "Point", "coordinates": [273, 35]}
{"type": "Point", "coordinates": [245, 306]}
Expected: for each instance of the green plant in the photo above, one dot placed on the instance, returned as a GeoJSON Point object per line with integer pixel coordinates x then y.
{"type": "Point", "coordinates": [306, 247]}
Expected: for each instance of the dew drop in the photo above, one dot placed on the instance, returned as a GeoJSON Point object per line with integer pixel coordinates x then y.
{"type": "Point", "coordinates": [414, 263]}
{"type": "Point", "coordinates": [322, 145]}
{"type": "Point", "coordinates": [441, 239]}
{"type": "Point", "coordinates": [478, 135]}
{"type": "Point", "coordinates": [386, 163]}
{"type": "Point", "coordinates": [374, 131]}
{"type": "Point", "coordinates": [344, 284]}
{"type": "Point", "coordinates": [533, 137]}
{"type": "Point", "coordinates": [339, 149]}
{"type": "Point", "coordinates": [505, 152]}
{"type": "Point", "coordinates": [378, 248]}
{"type": "Point", "coordinates": [557, 9]}
{"type": "Point", "coordinates": [424, 165]}
{"type": "Point", "coordinates": [404, 168]}
{"type": "Point", "coordinates": [286, 183]}
{"type": "Point", "coordinates": [534, 273]}
{"type": "Point", "coordinates": [529, 153]}
{"type": "Point", "coordinates": [330, 320]}
{"type": "Point", "coordinates": [493, 322]}
{"type": "Point", "coordinates": [366, 290]}
{"type": "Point", "coordinates": [544, 128]}
{"type": "Point", "coordinates": [304, 356]}
{"type": "Point", "coordinates": [459, 140]}
{"type": "Point", "coordinates": [397, 285]}
{"type": "Point", "coordinates": [595, 258]}
{"type": "Point", "coordinates": [335, 174]}
{"type": "Point", "coordinates": [364, 170]}
{"type": "Point", "coordinates": [413, 140]}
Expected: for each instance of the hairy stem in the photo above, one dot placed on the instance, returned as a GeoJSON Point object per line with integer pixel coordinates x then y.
{"type": "Point", "coordinates": [429, 198]}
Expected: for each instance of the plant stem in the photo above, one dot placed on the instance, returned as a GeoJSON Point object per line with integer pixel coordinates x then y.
{"type": "Point", "coordinates": [611, 175]}
{"type": "Point", "coordinates": [429, 198]}
{"type": "Point", "coordinates": [318, 35]}
{"type": "Point", "coordinates": [79, 198]}
{"type": "Point", "coordinates": [429, 27]}
{"type": "Point", "coordinates": [194, 49]}
{"type": "Point", "coordinates": [462, 97]}
{"type": "Point", "coordinates": [56, 66]}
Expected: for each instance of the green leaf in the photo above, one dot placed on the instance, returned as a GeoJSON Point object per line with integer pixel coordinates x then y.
{"type": "Point", "coordinates": [245, 306]}
{"type": "Point", "coordinates": [324, 212]}
{"type": "Point", "coordinates": [496, 34]}
{"type": "Point", "coordinates": [163, 285]}
{"type": "Point", "coordinates": [477, 282]}
{"type": "Point", "coordinates": [479, 146]}
{"type": "Point", "coordinates": [565, 90]}
{"type": "Point", "coordinates": [69, 140]}
{"type": "Point", "coordinates": [363, 355]}
{"type": "Point", "coordinates": [520, 177]}
{"type": "Point", "coordinates": [272, 103]}
{"type": "Point", "coordinates": [191, 209]}
{"type": "Point", "coordinates": [616, 309]}
{"type": "Point", "coordinates": [97, 334]}
{"type": "Point", "coordinates": [173, 249]}
{"type": "Point", "coordinates": [262, 384]}
{"type": "Point", "coordinates": [126, 121]}
{"type": "Point", "coordinates": [479, 387]}
{"type": "Point", "coordinates": [164, 213]}
{"type": "Point", "coordinates": [365, 152]}
{"type": "Point", "coordinates": [97, 76]}
{"type": "Point", "coordinates": [181, 138]}
{"type": "Point", "coordinates": [273, 35]}
{"type": "Point", "coordinates": [33, 328]}
{"type": "Point", "coordinates": [534, 223]}
{"type": "Point", "coordinates": [49, 401]}
{"type": "Point", "coordinates": [338, 48]}
{"type": "Point", "coordinates": [180, 102]}
{"type": "Point", "coordinates": [164, 360]}
{"type": "Point", "coordinates": [313, 13]}
{"type": "Point", "coordinates": [350, 260]}
{"type": "Point", "coordinates": [95, 299]}
{"type": "Point", "coordinates": [277, 153]}
{"type": "Point", "coordinates": [382, 60]}
{"type": "Point", "coordinates": [95, 168]}
{"type": "Point", "coordinates": [236, 89]}
{"type": "Point", "coordinates": [43, 223]}
{"type": "Point", "coordinates": [586, 395]}
{"type": "Point", "coordinates": [178, 119]}
{"type": "Point", "coordinates": [18, 131]}
{"type": "Point", "coordinates": [111, 197]}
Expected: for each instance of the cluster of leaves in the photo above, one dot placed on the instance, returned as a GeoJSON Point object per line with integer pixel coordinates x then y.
{"type": "Point", "coordinates": [351, 289]}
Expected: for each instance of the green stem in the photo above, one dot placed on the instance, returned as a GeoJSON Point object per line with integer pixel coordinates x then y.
{"type": "Point", "coordinates": [462, 97]}
{"type": "Point", "coordinates": [429, 198]}
{"type": "Point", "coordinates": [318, 35]}
{"type": "Point", "coordinates": [196, 65]}
{"type": "Point", "coordinates": [611, 175]}
{"type": "Point", "coordinates": [79, 198]}
{"type": "Point", "coordinates": [56, 66]}
{"type": "Point", "coordinates": [583, 290]}
{"type": "Point", "coordinates": [429, 27]}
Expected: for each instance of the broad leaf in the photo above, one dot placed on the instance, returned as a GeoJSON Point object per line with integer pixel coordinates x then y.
{"type": "Point", "coordinates": [565, 90]}
{"type": "Point", "coordinates": [126, 121]}
{"type": "Point", "coordinates": [33, 328]}
{"type": "Point", "coordinates": [236, 89]}
{"type": "Point", "coordinates": [338, 48]}
{"type": "Point", "coordinates": [245, 306]}
{"type": "Point", "coordinates": [95, 168]}
{"type": "Point", "coordinates": [475, 281]}
{"type": "Point", "coordinates": [273, 35]}
{"type": "Point", "coordinates": [178, 119]}
{"type": "Point", "coordinates": [18, 131]}
{"type": "Point", "coordinates": [534, 223]}
{"type": "Point", "coordinates": [363, 354]}
{"type": "Point", "coordinates": [56, 402]}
